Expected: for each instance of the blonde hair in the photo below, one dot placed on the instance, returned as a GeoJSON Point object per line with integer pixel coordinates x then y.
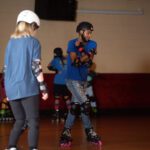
{"type": "Point", "coordinates": [23, 29]}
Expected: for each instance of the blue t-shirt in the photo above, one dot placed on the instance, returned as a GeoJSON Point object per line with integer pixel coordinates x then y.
{"type": "Point", "coordinates": [73, 72]}
{"type": "Point", "coordinates": [60, 77]}
{"type": "Point", "coordinates": [20, 81]}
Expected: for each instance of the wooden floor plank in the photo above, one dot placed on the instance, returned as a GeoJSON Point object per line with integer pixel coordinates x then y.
{"type": "Point", "coordinates": [130, 132]}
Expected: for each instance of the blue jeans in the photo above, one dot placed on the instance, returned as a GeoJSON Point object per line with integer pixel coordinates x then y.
{"type": "Point", "coordinates": [77, 89]}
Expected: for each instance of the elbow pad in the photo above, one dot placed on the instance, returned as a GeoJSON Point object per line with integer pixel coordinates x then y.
{"type": "Point", "coordinates": [36, 68]}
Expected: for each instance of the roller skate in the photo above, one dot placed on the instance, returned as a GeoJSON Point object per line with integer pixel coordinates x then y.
{"type": "Point", "coordinates": [93, 137]}
{"type": "Point", "coordinates": [65, 139]}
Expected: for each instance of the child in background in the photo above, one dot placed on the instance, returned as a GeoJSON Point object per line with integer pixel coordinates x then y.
{"type": "Point", "coordinates": [5, 110]}
{"type": "Point", "coordinates": [60, 91]}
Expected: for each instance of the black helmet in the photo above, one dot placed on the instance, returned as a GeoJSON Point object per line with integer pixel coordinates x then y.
{"type": "Point", "coordinates": [58, 52]}
{"type": "Point", "coordinates": [84, 26]}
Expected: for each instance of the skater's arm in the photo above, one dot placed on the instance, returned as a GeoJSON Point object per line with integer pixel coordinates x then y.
{"type": "Point", "coordinates": [78, 61]}
{"type": "Point", "coordinates": [37, 70]}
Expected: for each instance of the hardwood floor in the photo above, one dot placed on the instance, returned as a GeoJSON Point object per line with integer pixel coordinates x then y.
{"type": "Point", "coordinates": [124, 132]}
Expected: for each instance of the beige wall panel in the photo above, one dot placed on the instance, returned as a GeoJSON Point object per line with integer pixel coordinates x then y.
{"type": "Point", "coordinates": [123, 40]}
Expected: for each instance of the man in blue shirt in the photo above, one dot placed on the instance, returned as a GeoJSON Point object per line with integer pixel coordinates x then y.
{"type": "Point", "coordinates": [81, 51]}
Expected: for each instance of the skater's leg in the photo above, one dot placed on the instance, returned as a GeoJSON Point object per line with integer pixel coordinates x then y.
{"type": "Point", "coordinates": [78, 90]}
{"type": "Point", "coordinates": [90, 133]}
{"type": "Point", "coordinates": [56, 102]}
{"type": "Point", "coordinates": [74, 87]}
{"type": "Point", "coordinates": [65, 138]}
{"type": "Point", "coordinates": [57, 92]}
{"type": "Point", "coordinates": [66, 96]}
{"type": "Point", "coordinates": [85, 110]}
{"type": "Point", "coordinates": [92, 99]}
{"type": "Point", "coordinates": [67, 101]}
{"type": "Point", "coordinates": [31, 106]}
{"type": "Point", "coordinates": [74, 111]}
{"type": "Point", "coordinates": [56, 115]}
{"type": "Point", "coordinates": [19, 114]}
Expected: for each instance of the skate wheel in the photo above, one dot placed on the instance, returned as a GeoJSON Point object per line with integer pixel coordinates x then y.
{"type": "Point", "coordinates": [69, 144]}
{"type": "Point", "coordinates": [99, 143]}
{"type": "Point", "coordinates": [65, 144]}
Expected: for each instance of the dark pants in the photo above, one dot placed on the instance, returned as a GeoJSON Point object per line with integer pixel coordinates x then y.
{"type": "Point", "coordinates": [25, 110]}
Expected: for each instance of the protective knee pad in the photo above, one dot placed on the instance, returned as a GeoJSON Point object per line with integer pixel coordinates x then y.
{"type": "Point", "coordinates": [86, 108]}
{"type": "Point", "coordinates": [75, 109]}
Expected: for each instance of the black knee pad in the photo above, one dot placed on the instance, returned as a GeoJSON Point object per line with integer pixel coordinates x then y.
{"type": "Point", "coordinates": [91, 98]}
{"type": "Point", "coordinates": [75, 109]}
{"type": "Point", "coordinates": [86, 108]}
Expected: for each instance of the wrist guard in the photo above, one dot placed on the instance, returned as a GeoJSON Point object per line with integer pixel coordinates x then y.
{"type": "Point", "coordinates": [93, 51]}
{"type": "Point", "coordinates": [77, 62]}
{"type": "Point", "coordinates": [80, 48]}
{"type": "Point", "coordinates": [43, 87]}
{"type": "Point", "coordinates": [89, 63]}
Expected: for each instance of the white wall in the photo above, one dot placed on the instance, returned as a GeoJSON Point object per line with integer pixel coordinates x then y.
{"type": "Point", "coordinates": [123, 40]}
